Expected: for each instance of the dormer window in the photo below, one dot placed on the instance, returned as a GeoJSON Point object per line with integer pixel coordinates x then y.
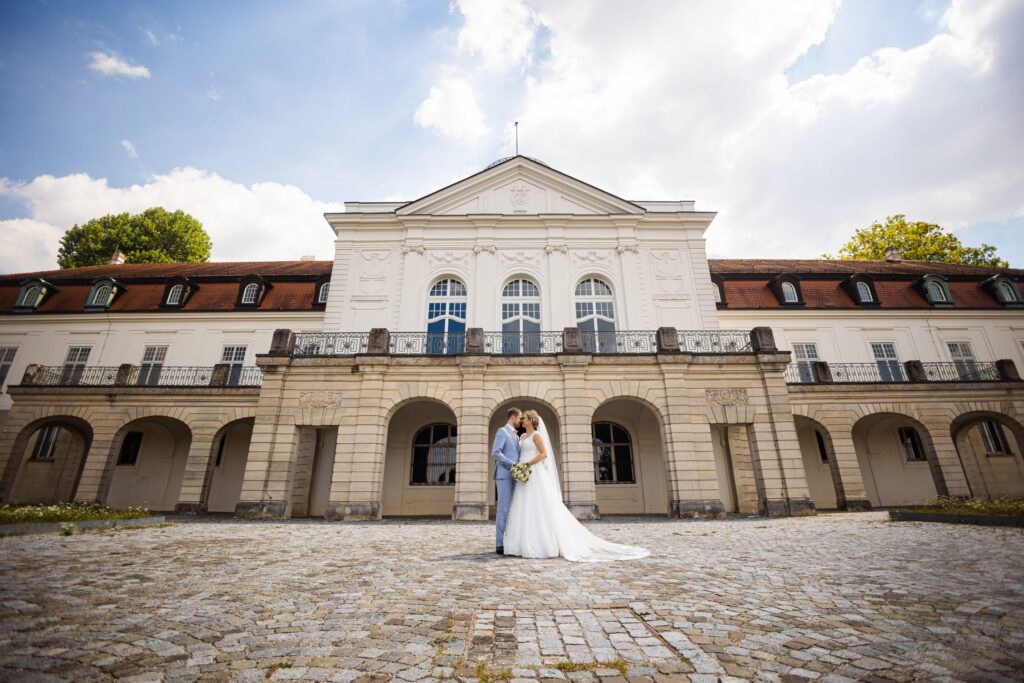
{"type": "Point", "coordinates": [718, 290]}
{"type": "Point", "coordinates": [252, 290]}
{"type": "Point", "coordinates": [174, 295]}
{"type": "Point", "coordinates": [250, 293]}
{"type": "Point", "coordinates": [861, 289]}
{"type": "Point", "coordinates": [935, 290]}
{"type": "Point", "coordinates": [1004, 289]}
{"type": "Point", "coordinates": [787, 290]}
{"type": "Point", "coordinates": [32, 294]}
{"type": "Point", "coordinates": [864, 293]}
{"type": "Point", "coordinates": [324, 290]}
{"type": "Point", "coordinates": [103, 293]}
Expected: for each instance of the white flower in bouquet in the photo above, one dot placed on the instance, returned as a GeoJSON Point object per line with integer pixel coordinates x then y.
{"type": "Point", "coordinates": [521, 472]}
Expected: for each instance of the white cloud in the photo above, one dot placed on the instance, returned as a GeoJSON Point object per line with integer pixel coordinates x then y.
{"type": "Point", "coordinates": [502, 33]}
{"type": "Point", "coordinates": [151, 37]}
{"type": "Point", "coordinates": [692, 100]}
{"type": "Point", "coordinates": [213, 94]}
{"type": "Point", "coordinates": [263, 221]}
{"type": "Point", "coordinates": [110, 64]}
{"type": "Point", "coordinates": [451, 109]}
{"type": "Point", "coordinates": [129, 148]}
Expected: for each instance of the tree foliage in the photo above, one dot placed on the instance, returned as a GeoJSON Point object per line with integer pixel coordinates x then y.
{"type": "Point", "coordinates": [153, 236]}
{"type": "Point", "coordinates": [917, 241]}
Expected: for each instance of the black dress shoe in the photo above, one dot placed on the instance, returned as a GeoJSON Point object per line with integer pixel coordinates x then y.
{"type": "Point", "coordinates": [499, 550]}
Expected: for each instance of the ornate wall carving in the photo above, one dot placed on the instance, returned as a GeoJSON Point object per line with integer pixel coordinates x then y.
{"type": "Point", "coordinates": [320, 399]}
{"type": "Point", "coordinates": [726, 397]}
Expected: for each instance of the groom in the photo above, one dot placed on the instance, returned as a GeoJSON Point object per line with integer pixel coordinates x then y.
{"type": "Point", "coordinates": [506, 451]}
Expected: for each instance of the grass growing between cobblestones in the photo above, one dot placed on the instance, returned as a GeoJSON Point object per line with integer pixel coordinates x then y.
{"type": "Point", "coordinates": [66, 512]}
{"type": "Point", "coordinates": [1008, 507]}
{"type": "Point", "coordinates": [620, 665]}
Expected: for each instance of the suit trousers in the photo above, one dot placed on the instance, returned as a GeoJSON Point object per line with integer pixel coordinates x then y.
{"type": "Point", "coordinates": [505, 489]}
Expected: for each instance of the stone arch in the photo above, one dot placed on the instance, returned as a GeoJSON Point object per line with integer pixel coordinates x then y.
{"type": "Point", "coordinates": [156, 475]}
{"type": "Point", "coordinates": [828, 493]}
{"type": "Point", "coordinates": [398, 494]}
{"type": "Point", "coordinates": [648, 393]}
{"type": "Point", "coordinates": [994, 474]}
{"type": "Point", "coordinates": [546, 392]}
{"type": "Point", "coordinates": [222, 481]}
{"type": "Point", "coordinates": [645, 423]}
{"type": "Point", "coordinates": [59, 486]}
{"type": "Point", "coordinates": [871, 417]}
{"type": "Point", "coordinates": [404, 393]}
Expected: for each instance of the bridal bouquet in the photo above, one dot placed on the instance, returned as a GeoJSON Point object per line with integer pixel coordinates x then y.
{"type": "Point", "coordinates": [521, 472]}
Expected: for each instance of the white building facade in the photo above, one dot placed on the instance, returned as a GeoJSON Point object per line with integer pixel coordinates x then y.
{"type": "Point", "coordinates": [371, 386]}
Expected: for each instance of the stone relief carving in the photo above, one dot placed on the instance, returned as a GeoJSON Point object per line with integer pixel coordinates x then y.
{"type": "Point", "coordinates": [560, 248]}
{"type": "Point", "coordinates": [491, 249]}
{"type": "Point", "coordinates": [520, 195]}
{"type": "Point", "coordinates": [373, 271]}
{"type": "Point", "coordinates": [320, 399]}
{"type": "Point", "coordinates": [449, 257]}
{"type": "Point", "coordinates": [726, 397]}
{"type": "Point", "coordinates": [628, 248]}
{"type": "Point", "coordinates": [417, 249]}
{"type": "Point", "coordinates": [666, 263]}
{"type": "Point", "coordinates": [506, 257]}
{"type": "Point", "coordinates": [591, 256]}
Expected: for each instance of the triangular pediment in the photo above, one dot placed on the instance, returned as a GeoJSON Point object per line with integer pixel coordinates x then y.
{"type": "Point", "coordinates": [519, 186]}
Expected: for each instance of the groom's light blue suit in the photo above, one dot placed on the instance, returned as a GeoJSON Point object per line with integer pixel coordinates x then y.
{"type": "Point", "coordinates": [506, 451]}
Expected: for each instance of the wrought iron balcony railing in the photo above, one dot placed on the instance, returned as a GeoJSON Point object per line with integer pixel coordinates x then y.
{"type": "Point", "coordinates": [331, 343]}
{"type": "Point", "coordinates": [715, 341]}
{"type": "Point", "coordinates": [894, 372]}
{"type": "Point", "coordinates": [962, 371]}
{"type": "Point", "coordinates": [522, 342]}
{"type": "Point", "coordinates": [148, 375]}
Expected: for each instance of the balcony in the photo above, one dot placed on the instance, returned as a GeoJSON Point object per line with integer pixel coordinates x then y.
{"type": "Point", "coordinates": [477, 341]}
{"type": "Point", "coordinates": [126, 375]}
{"type": "Point", "coordinates": [894, 372]}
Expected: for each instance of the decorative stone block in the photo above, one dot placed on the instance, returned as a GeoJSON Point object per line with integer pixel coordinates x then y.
{"type": "Point", "coordinates": [762, 340]}
{"type": "Point", "coordinates": [822, 373]}
{"type": "Point", "coordinates": [124, 375]}
{"type": "Point", "coordinates": [268, 509]}
{"type": "Point", "coordinates": [584, 510]}
{"type": "Point", "coordinates": [32, 374]}
{"type": "Point", "coordinates": [219, 376]}
{"type": "Point", "coordinates": [477, 512]}
{"type": "Point", "coordinates": [353, 512]}
{"type": "Point", "coordinates": [696, 508]}
{"type": "Point", "coordinates": [475, 340]}
{"type": "Point", "coordinates": [379, 341]}
{"type": "Point", "coordinates": [571, 340]}
{"type": "Point", "coordinates": [668, 340]}
{"type": "Point", "coordinates": [1007, 370]}
{"type": "Point", "coordinates": [282, 342]}
{"type": "Point", "coordinates": [786, 507]}
{"type": "Point", "coordinates": [915, 371]}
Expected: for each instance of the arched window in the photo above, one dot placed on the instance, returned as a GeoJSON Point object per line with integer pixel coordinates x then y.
{"type": "Point", "coordinates": [446, 317]}
{"type": "Point", "coordinates": [613, 454]}
{"type": "Point", "coordinates": [174, 295]}
{"type": "Point", "coordinates": [1008, 293]}
{"type": "Point", "coordinates": [595, 315]}
{"type": "Point", "coordinates": [789, 294]}
{"type": "Point", "coordinates": [936, 292]}
{"type": "Point", "coordinates": [101, 295]}
{"type": "Point", "coordinates": [717, 288]}
{"type": "Point", "coordinates": [433, 455]}
{"type": "Point", "coordinates": [864, 293]}
{"type": "Point", "coordinates": [30, 296]}
{"type": "Point", "coordinates": [520, 317]}
{"type": "Point", "coordinates": [324, 290]}
{"type": "Point", "coordinates": [250, 293]}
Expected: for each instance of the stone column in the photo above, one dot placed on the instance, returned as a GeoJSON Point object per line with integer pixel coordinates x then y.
{"type": "Point", "coordinates": [198, 470]}
{"type": "Point", "coordinates": [472, 453]}
{"type": "Point", "coordinates": [99, 465]}
{"type": "Point", "coordinates": [946, 467]}
{"type": "Point", "coordinates": [356, 484]}
{"type": "Point", "coordinates": [689, 452]}
{"type": "Point", "coordinates": [265, 493]}
{"type": "Point", "coordinates": [846, 476]}
{"type": "Point", "coordinates": [577, 460]}
{"type": "Point", "coordinates": [744, 474]}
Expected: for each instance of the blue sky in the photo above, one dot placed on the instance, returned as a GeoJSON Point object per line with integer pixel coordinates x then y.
{"type": "Point", "coordinates": [258, 116]}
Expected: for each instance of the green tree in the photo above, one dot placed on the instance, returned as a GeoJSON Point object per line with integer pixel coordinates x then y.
{"type": "Point", "coordinates": [917, 241]}
{"type": "Point", "coordinates": [153, 236]}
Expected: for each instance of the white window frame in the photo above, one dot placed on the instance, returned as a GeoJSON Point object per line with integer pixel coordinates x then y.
{"type": "Point", "coordinates": [994, 438]}
{"type": "Point", "coordinates": [887, 360]}
{"type": "Point", "coordinates": [7, 354]}
{"type": "Point", "coordinates": [864, 293]}
{"type": "Point", "coordinates": [323, 293]}
{"type": "Point", "coordinates": [592, 307]}
{"type": "Point", "coordinates": [250, 293]}
{"type": "Point", "coordinates": [95, 298]}
{"type": "Point", "coordinates": [520, 310]}
{"type": "Point", "coordinates": [1009, 292]}
{"type": "Point", "coordinates": [174, 295]}
{"type": "Point", "coordinates": [789, 293]}
{"type": "Point", "coordinates": [46, 444]}
{"type": "Point", "coordinates": [234, 356]}
{"type": "Point", "coordinates": [961, 354]}
{"type": "Point", "coordinates": [937, 292]}
{"type": "Point", "coordinates": [152, 364]}
{"type": "Point", "coordinates": [805, 354]}
{"type": "Point", "coordinates": [23, 296]}
{"type": "Point", "coordinates": [718, 292]}
{"type": "Point", "coordinates": [922, 456]}
{"type": "Point", "coordinates": [76, 359]}
{"type": "Point", "coordinates": [446, 297]}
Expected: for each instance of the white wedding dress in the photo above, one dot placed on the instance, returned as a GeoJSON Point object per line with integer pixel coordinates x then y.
{"type": "Point", "coordinates": [539, 525]}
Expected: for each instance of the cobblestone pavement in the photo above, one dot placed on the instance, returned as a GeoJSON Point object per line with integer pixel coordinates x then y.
{"type": "Point", "coordinates": [833, 598]}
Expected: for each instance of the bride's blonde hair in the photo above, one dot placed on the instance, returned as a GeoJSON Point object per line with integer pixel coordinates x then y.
{"type": "Point", "coordinates": [534, 417]}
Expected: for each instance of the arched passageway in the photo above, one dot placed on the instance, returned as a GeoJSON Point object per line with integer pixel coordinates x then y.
{"type": "Point", "coordinates": [223, 486]}
{"type": "Point", "coordinates": [420, 460]}
{"type": "Point", "coordinates": [498, 419]}
{"type": "Point", "coordinates": [46, 461]}
{"type": "Point", "coordinates": [629, 459]}
{"type": "Point", "coordinates": [148, 463]}
{"type": "Point", "coordinates": [819, 463]}
{"type": "Point", "coordinates": [990, 446]}
{"type": "Point", "coordinates": [897, 460]}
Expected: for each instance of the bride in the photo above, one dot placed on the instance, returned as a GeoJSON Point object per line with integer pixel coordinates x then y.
{"type": "Point", "coordinates": [539, 525]}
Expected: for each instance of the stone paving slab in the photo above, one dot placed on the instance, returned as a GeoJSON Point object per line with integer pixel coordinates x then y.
{"type": "Point", "coordinates": [843, 597]}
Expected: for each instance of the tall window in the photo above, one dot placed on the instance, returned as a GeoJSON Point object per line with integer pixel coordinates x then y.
{"type": "Point", "coordinates": [963, 358]}
{"type": "Point", "coordinates": [325, 289]}
{"type": "Point", "coordinates": [613, 454]}
{"type": "Point", "coordinates": [789, 294]}
{"type": "Point", "coordinates": [151, 366]}
{"type": "Point", "coordinates": [993, 437]}
{"type": "Point", "coordinates": [520, 317]}
{"type": "Point", "coordinates": [433, 455]}
{"type": "Point", "coordinates": [46, 444]}
{"type": "Point", "coordinates": [250, 293]}
{"type": "Point", "coordinates": [101, 295]}
{"type": "Point", "coordinates": [595, 315]}
{"type": "Point", "coordinates": [174, 295]}
{"type": "Point", "coordinates": [864, 293]}
{"type": "Point", "coordinates": [30, 297]}
{"type": "Point", "coordinates": [74, 364]}
{"type": "Point", "coordinates": [129, 454]}
{"type": "Point", "coordinates": [234, 356]}
{"type": "Point", "coordinates": [805, 355]}
{"type": "Point", "coordinates": [822, 450]}
{"type": "Point", "coordinates": [446, 317]}
{"type": "Point", "coordinates": [888, 363]}
{"type": "Point", "coordinates": [911, 443]}
{"type": "Point", "coordinates": [7, 354]}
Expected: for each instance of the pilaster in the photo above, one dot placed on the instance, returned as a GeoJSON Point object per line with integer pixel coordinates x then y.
{"type": "Point", "coordinates": [356, 484]}
{"type": "Point", "coordinates": [577, 462]}
{"type": "Point", "coordinates": [198, 470]}
{"type": "Point", "coordinates": [473, 448]}
{"type": "Point", "coordinates": [265, 493]}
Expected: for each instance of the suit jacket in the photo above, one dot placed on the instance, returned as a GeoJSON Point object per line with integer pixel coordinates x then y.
{"type": "Point", "coordinates": [506, 451]}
